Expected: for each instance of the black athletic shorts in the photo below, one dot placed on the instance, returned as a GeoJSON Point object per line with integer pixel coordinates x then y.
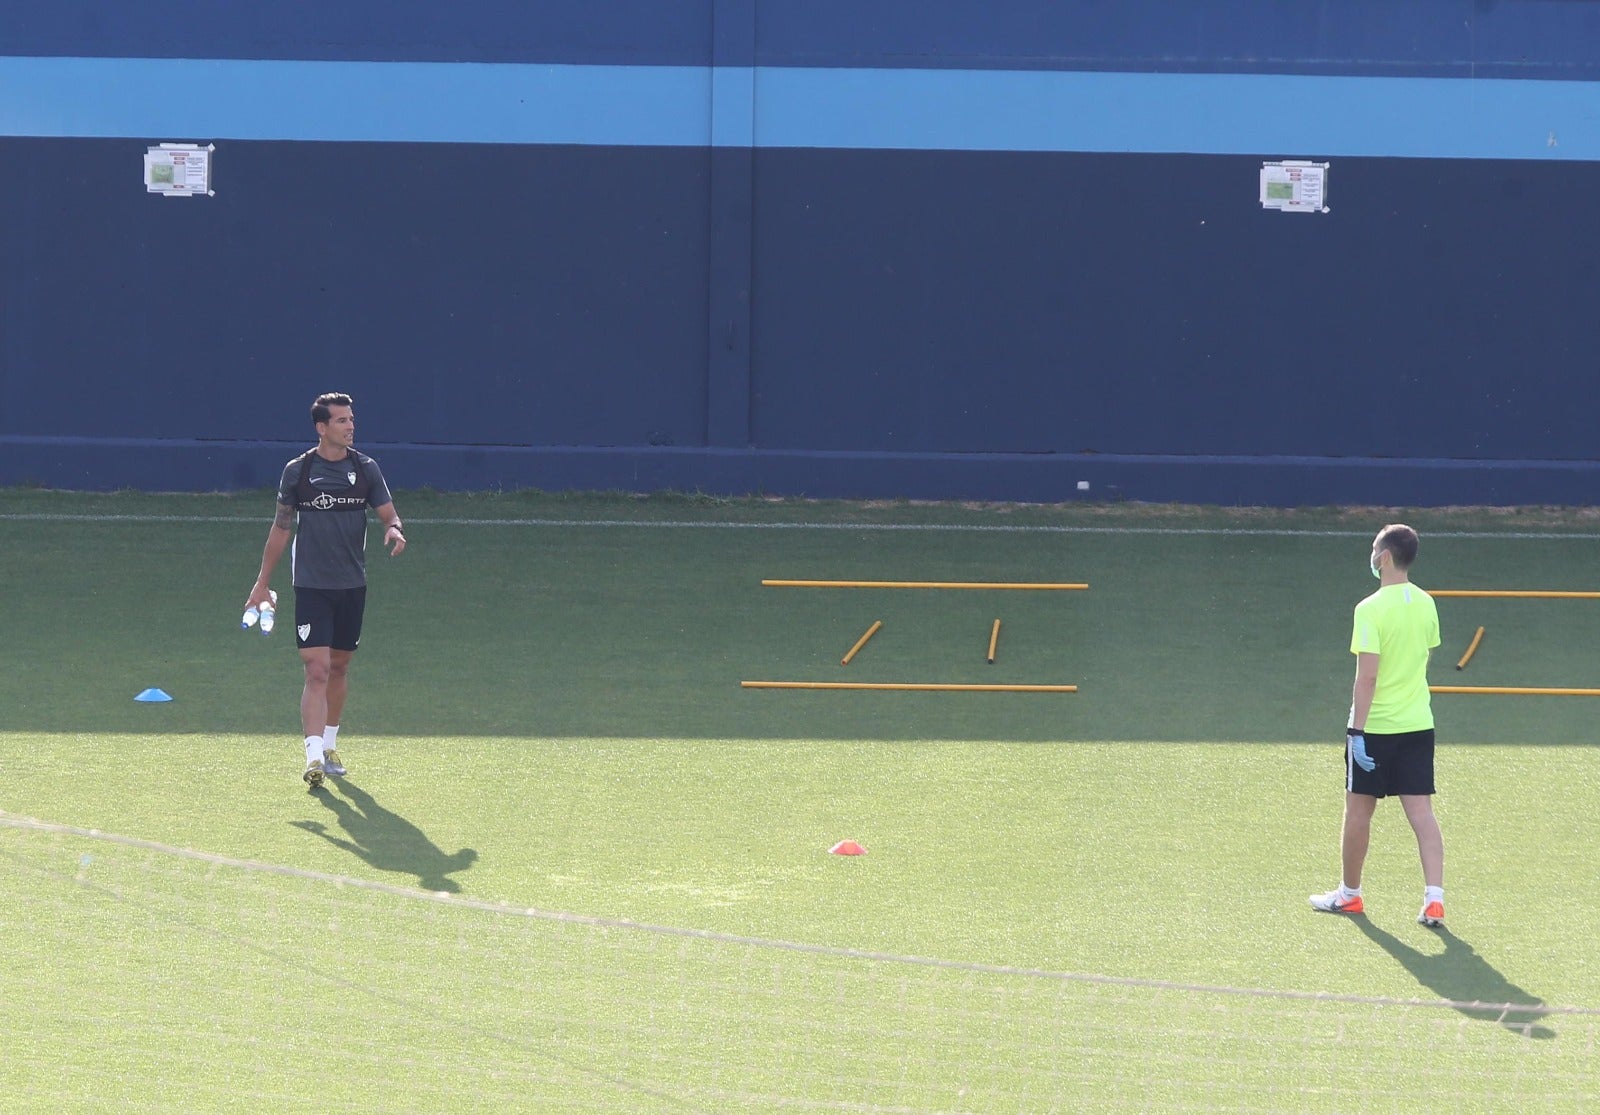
{"type": "Point", "coordinates": [1405, 765]}
{"type": "Point", "coordinates": [329, 617]}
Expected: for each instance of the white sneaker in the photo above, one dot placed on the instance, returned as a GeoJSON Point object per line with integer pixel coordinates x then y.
{"type": "Point", "coordinates": [331, 764]}
{"type": "Point", "coordinates": [1335, 902]}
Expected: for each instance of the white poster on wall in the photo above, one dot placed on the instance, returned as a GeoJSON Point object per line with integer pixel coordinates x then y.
{"type": "Point", "coordinates": [1294, 186]}
{"type": "Point", "coordinates": [179, 169]}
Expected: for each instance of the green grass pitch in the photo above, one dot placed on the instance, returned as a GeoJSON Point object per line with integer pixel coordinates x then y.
{"type": "Point", "coordinates": [1069, 901]}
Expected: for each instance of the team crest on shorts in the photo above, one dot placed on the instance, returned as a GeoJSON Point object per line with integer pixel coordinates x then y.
{"type": "Point", "coordinates": [304, 631]}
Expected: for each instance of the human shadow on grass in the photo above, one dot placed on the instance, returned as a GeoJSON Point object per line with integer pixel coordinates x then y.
{"type": "Point", "coordinates": [1476, 988]}
{"type": "Point", "coordinates": [387, 840]}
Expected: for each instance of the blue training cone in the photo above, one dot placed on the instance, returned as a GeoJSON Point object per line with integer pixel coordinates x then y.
{"type": "Point", "coordinates": [154, 695]}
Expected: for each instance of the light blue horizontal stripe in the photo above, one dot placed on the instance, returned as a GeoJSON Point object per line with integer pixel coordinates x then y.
{"type": "Point", "coordinates": [963, 110]}
{"type": "Point", "coordinates": [1231, 114]}
{"type": "Point", "coordinates": [397, 102]}
{"type": "Point", "coordinates": [733, 106]}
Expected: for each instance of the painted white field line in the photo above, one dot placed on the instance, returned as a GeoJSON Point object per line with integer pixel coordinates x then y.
{"type": "Point", "coordinates": [30, 824]}
{"type": "Point", "coordinates": [693, 524]}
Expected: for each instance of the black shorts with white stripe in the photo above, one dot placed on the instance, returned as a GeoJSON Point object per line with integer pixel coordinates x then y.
{"type": "Point", "coordinates": [1404, 765]}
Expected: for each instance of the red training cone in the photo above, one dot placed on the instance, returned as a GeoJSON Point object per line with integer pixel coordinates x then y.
{"type": "Point", "coordinates": [847, 848]}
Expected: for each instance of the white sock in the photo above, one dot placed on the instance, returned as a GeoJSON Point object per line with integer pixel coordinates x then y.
{"type": "Point", "coordinates": [330, 738]}
{"type": "Point", "coordinates": [1349, 892]}
{"type": "Point", "coordinates": [313, 748]}
{"type": "Point", "coordinates": [1432, 894]}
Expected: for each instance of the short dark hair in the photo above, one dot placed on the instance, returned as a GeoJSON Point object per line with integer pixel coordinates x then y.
{"type": "Point", "coordinates": [1401, 542]}
{"type": "Point", "coordinates": [319, 409]}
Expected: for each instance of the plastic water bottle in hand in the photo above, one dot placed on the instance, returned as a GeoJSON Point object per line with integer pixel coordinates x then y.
{"type": "Point", "coordinates": [266, 612]}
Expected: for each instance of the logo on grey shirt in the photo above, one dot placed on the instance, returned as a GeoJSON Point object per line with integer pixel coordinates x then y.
{"type": "Point", "coordinates": [325, 502]}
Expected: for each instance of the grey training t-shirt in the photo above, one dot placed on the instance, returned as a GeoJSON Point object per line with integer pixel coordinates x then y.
{"type": "Point", "coordinates": [330, 499]}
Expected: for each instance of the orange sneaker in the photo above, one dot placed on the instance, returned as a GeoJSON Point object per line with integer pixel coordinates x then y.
{"type": "Point", "coordinates": [1432, 915]}
{"type": "Point", "coordinates": [1334, 902]}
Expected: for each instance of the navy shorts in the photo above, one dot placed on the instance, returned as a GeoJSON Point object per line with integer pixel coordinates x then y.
{"type": "Point", "coordinates": [329, 617]}
{"type": "Point", "coordinates": [1405, 765]}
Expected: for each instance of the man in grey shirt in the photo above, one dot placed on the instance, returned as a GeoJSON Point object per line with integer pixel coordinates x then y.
{"type": "Point", "coordinates": [324, 495]}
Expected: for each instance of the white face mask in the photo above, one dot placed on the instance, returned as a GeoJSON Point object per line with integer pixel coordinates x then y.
{"type": "Point", "coordinates": [1377, 571]}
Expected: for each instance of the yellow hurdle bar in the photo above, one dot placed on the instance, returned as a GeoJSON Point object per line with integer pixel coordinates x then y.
{"type": "Point", "coordinates": [1514, 594]}
{"type": "Point", "coordinates": [922, 687]}
{"type": "Point", "coordinates": [994, 637]}
{"type": "Point", "coordinates": [861, 642]}
{"type": "Point", "coordinates": [1515, 690]}
{"type": "Point", "coordinates": [1471, 650]}
{"type": "Point", "coordinates": [922, 584]}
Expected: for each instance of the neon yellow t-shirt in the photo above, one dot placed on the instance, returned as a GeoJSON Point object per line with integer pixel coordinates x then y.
{"type": "Point", "coordinates": [1399, 624]}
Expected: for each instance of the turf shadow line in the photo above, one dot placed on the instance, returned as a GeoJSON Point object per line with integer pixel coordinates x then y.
{"type": "Point", "coordinates": [1231, 531]}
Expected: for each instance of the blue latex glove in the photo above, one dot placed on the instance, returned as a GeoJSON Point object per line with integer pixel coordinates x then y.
{"type": "Point", "coordinates": [1358, 750]}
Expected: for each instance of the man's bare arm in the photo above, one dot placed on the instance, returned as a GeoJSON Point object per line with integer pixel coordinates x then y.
{"type": "Point", "coordinates": [277, 541]}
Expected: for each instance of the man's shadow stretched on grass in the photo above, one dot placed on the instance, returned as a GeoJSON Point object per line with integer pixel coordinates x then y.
{"type": "Point", "coordinates": [1460, 975]}
{"type": "Point", "coordinates": [387, 840]}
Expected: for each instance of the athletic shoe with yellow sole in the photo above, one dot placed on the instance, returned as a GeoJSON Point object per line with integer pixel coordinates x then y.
{"type": "Point", "coordinates": [331, 764]}
{"type": "Point", "coordinates": [1432, 915]}
{"type": "Point", "coordinates": [313, 774]}
{"type": "Point", "coordinates": [1334, 902]}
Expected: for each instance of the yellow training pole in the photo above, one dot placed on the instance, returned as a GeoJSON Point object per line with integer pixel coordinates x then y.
{"type": "Point", "coordinates": [1515, 594]}
{"type": "Point", "coordinates": [929, 687]}
{"type": "Point", "coordinates": [920, 584]}
{"type": "Point", "coordinates": [1514, 690]}
{"type": "Point", "coordinates": [861, 642]}
{"type": "Point", "coordinates": [1476, 639]}
{"type": "Point", "coordinates": [994, 637]}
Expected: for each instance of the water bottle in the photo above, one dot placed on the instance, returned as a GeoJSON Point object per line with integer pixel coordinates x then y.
{"type": "Point", "coordinates": [266, 612]}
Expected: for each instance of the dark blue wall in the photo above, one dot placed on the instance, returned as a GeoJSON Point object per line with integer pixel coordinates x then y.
{"type": "Point", "coordinates": [560, 301]}
{"type": "Point", "coordinates": [733, 314]}
{"type": "Point", "coordinates": [1082, 303]}
{"type": "Point", "coordinates": [1440, 38]}
{"type": "Point", "coordinates": [615, 32]}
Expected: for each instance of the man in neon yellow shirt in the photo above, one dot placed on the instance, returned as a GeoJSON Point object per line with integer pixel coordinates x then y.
{"type": "Point", "coordinates": [1389, 743]}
